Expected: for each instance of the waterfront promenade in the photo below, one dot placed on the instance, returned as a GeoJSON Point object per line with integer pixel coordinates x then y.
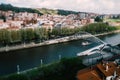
{"type": "Point", "coordinates": [48, 42]}
{"type": "Point", "coordinates": [53, 41]}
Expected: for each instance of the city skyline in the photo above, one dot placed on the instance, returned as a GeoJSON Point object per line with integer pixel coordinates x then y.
{"type": "Point", "coordinates": [96, 6]}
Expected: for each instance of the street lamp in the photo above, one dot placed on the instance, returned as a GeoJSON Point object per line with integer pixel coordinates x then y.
{"type": "Point", "coordinates": [18, 69]}
{"type": "Point", "coordinates": [41, 62]}
{"type": "Point", "coordinates": [59, 57]}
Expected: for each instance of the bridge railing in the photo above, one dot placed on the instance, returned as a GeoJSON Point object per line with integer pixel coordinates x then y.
{"type": "Point", "coordinates": [88, 36]}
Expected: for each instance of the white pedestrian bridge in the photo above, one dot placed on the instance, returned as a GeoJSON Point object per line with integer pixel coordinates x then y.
{"type": "Point", "coordinates": [91, 50]}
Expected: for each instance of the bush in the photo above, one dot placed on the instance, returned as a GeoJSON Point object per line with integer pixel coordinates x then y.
{"type": "Point", "coordinates": [15, 77]}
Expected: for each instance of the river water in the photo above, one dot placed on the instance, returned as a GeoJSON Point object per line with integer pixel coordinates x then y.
{"type": "Point", "coordinates": [30, 58]}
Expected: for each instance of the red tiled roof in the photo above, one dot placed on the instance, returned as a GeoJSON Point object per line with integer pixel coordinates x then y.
{"type": "Point", "coordinates": [99, 69]}
{"type": "Point", "coordinates": [88, 74]}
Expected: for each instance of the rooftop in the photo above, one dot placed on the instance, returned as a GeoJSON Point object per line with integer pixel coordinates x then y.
{"type": "Point", "coordinates": [88, 74]}
{"type": "Point", "coordinates": [99, 71]}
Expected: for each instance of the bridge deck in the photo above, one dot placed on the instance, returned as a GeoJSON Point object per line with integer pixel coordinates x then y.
{"type": "Point", "coordinates": [89, 51]}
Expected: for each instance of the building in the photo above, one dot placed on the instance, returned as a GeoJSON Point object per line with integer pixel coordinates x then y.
{"type": "Point", "coordinates": [101, 71]}
{"type": "Point", "coordinates": [26, 19]}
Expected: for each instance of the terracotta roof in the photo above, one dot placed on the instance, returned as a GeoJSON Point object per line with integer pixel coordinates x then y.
{"type": "Point", "coordinates": [88, 74]}
{"type": "Point", "coordinates": [111, 68]}
{"type": "Point", "coordinates": [97, 72]}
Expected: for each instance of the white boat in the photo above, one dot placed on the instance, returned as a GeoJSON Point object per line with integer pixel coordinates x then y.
{"type": "Point", "coordinates": [85, 43]}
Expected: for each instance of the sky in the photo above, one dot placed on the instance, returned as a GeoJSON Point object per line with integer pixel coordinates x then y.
{"type": "Point", "coordinates": [97, 6]}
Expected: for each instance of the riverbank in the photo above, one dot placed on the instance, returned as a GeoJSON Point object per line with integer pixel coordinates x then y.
{"type": "Point", "coordinates": [106, 33]}
{"type": "Point", "coordinates": [54, 41]}
{"type": "Point", "coordinates": [54, 71]}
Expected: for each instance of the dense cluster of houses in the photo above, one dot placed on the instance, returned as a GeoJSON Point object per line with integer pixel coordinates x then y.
{"type": "Point", "coordinates": [12, 20]}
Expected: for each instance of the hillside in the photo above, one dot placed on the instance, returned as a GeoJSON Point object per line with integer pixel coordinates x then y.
{"type": "Point", "coordinates": [7, 7]}
{"type": "Point", "coordinates": [58, 11]}
{"type": "Point", "coordinates": [66, 12]}
{"type": "Point", "coordinates": [47, 11]}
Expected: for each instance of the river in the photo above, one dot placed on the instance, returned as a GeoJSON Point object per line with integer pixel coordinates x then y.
{"type": "Point", "coordinates": [30, 58]}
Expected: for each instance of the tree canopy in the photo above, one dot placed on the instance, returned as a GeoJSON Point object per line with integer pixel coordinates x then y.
{"type": "Point", "coordinates": [98, 19]}
{"type": "Point", "coordinates": [6, 7]}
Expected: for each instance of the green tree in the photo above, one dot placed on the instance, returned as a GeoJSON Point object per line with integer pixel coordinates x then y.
{"type": "Point", "coordinates": [98, 19]}
{"type": "Point", "coordinates": [37, 34]}
{"type": "Point", "coordinates": [29, 34]}
{"type": "Point", "coordinates": [3, 17]}
{"type": "Point", "coordinates": [15, 36]}
{"type": "Point", "coordinates": [43, 34]}
{"type": "Point", "coordinates": [6, 36]}
{"type": "Point", "coordinates": [98, 28]}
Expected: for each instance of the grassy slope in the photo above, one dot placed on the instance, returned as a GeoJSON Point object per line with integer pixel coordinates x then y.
{"type": "Point", "coordinates": [47, 11]}
{"type": "Point", "coordinates": [54, 12]}
{"type": "Point", "coordinates": [112, 20]}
